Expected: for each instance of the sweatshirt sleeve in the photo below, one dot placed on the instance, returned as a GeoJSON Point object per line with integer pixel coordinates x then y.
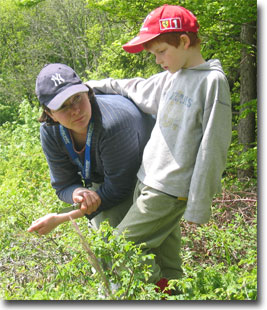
{"type": "Point", "coordinates": [212, 153]}
{"type": "Point", "coordinates": [145, 93]}
{"type": "Point", "coordinates": [63, 174]}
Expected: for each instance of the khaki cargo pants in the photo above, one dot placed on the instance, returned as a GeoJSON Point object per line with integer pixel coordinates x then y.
{"type": "Point", "coordinates": [154, 219]}
{"type": "Point", "coordinates": [114, 215]}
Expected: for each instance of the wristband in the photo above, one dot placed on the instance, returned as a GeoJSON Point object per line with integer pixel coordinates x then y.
{"type": "Point", "coordinates": [74, 206]}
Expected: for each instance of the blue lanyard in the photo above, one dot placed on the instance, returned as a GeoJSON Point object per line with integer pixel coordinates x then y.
{"type": "Point", "coordinates": [86, 168]}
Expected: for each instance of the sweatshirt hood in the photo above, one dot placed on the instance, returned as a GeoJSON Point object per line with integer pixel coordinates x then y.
{"type": "Point", "coordinates": [210, 65]}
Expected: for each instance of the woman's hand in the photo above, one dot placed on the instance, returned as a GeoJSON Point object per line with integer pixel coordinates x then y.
{"type": "Point", "coordinates": [89, 199]}
{"type": "Point", "coordinates": [50, 221]}
{"type": "Point", "coordinates": [44, 224]}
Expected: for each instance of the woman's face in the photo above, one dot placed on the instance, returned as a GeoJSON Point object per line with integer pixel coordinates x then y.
{"type": "Point", "coordinates": [74, 114]}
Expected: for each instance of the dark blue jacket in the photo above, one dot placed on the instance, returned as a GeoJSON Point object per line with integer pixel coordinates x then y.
{"type": "Point", "coordinates": [121, 132]}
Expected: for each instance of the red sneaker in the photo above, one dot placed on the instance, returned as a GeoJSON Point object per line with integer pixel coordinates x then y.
{"type": "Point", "coordinates": [162, 284]}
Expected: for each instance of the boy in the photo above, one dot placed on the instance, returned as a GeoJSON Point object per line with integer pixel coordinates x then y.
{"type": "Point", "coordinates": [184, 159]}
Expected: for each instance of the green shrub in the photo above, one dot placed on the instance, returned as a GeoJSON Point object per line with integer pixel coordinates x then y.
{"type": "Point", "coordinates": [219, 258]}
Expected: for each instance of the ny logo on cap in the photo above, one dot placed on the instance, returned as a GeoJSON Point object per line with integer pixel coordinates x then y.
{"type": "Point", "coordinates": [57, 79]}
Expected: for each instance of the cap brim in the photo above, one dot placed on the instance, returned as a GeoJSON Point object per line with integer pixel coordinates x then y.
{"type": "Point", "coordinates": [58, 100]}
{"type": "Point", "coordinates": [136, 44]}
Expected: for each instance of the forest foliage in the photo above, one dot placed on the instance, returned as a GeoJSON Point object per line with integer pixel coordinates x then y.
{"type": "Point", "coordinates": [88, 36]}
{"type": "Point", "coordinates": [220, 258]}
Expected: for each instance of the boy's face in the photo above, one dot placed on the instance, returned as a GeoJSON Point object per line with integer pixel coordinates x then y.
{"type": "Point", "coordinates": [170, 58]}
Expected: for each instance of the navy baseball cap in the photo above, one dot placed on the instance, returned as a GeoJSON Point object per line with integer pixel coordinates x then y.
{"type": "Point", "coordinates": [56, 83]}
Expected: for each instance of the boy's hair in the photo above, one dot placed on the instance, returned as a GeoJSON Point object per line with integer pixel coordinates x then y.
{"type": "Point", "coordinates": [173, 38]}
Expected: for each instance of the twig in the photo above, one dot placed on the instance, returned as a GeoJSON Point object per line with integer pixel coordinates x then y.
{"type": "Point", "coordinates": [236, 200]}
{"type": "Point", "coordinates": [92, 259]}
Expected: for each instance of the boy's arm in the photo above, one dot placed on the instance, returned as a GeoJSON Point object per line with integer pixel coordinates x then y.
{"type": "Point", "coordinates": [146, 93]}
{"type": "Point", "coordinates": [211, 157]}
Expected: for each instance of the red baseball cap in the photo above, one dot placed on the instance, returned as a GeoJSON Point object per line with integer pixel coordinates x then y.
{"type": "Point", "coordinates": [167, 18]}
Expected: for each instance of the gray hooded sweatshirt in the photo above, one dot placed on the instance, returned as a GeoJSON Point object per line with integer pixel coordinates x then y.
{"type": "Point", "coordinates": [186, 153]}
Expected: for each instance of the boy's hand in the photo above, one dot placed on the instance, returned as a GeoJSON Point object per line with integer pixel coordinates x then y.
{"type": "Point", "coordinates": [44, 224]}
{"type": "Point", "coordinates": [89, 200]}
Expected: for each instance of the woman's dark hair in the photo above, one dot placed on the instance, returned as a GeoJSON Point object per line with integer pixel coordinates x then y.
{"type": "Point", "coordinates": [45, 118]}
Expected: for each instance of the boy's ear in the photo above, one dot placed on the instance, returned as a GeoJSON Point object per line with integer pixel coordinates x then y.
{"type": "Point", "coordinates": [185, 40]}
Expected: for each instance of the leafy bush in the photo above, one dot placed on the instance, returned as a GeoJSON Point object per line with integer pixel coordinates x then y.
{"type": "Point", "coordinates": [34, 267]}
{"type": "Point", "coordinates": [219, 258]}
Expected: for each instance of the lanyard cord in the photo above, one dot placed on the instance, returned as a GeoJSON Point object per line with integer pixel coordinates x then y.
{"type": "Point", "coordinates": [86, 167]}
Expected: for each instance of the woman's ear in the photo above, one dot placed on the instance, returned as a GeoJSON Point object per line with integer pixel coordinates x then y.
{"type": "Point", "coordinates": [185, 40]}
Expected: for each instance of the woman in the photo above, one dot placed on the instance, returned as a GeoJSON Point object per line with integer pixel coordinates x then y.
{"type": "Point", "coordinates": [93, 146]}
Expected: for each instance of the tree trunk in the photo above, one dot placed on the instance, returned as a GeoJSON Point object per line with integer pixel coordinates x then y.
{"type": "Point", "coordinates": [248, 92]}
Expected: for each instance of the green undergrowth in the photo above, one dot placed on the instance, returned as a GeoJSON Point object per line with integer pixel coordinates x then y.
{"type": "Point", "coordinates": [77, 263]}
